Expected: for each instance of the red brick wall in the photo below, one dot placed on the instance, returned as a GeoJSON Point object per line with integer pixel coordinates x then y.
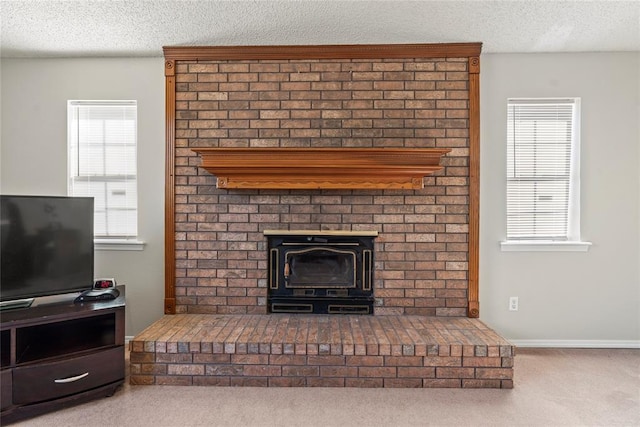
{"type": "Point", "coordinates": [422, 251]}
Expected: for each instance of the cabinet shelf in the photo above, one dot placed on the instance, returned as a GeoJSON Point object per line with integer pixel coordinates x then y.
{"type": "Point", "coordinates": [40, 342]}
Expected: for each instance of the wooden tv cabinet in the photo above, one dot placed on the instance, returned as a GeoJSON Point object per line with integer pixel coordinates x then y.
{"type": "Point", "coordinates": [60, 354]}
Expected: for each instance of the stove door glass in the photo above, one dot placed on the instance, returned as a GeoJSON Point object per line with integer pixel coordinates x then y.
{"type": "Point", "coordinates": [320, 267]}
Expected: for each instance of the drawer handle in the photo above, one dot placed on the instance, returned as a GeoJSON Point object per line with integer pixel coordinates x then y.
{"type": "Point", "coordinates": [70, 379]}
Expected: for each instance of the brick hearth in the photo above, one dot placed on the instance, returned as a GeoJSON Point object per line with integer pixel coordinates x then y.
{"type": "Point", "coordinates": [321, 350]}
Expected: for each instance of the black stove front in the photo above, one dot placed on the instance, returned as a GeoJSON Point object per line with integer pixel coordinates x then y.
{"type": "Point", "coordinates": [320, 272]}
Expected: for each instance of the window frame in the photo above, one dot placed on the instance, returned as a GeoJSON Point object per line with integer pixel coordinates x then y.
{"type": "Point", "coordinates": [573, 241]}
{"type": "Point", "coordinates": [106, 242]}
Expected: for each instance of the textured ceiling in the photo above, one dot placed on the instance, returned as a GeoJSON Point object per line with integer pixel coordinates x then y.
{"type": "Point", "coordinates": [32, 28]}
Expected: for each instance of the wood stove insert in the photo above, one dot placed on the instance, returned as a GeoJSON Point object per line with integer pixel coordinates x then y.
{"type": "Point", "coordinates": [322, 272]}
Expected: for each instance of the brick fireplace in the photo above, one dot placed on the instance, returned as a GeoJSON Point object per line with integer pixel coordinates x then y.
{"type": "Point", "coordinates": [425, 290]}
{"type": "Point", "coordinates": [406, 97]}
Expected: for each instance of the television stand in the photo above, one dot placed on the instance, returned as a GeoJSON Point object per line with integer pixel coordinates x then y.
{"type": "Point", "coordinates": [57, 355]}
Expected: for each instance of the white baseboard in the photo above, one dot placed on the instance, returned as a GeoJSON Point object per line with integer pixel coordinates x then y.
{"type": "Point", "coordinates": [577, 343]}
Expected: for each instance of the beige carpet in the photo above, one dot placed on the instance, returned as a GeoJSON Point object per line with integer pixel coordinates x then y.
{"type": "Point", "coordinates": [553, 387]}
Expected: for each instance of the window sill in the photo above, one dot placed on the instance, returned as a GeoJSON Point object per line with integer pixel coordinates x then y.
{"type": "Point", "coordinates": [118, 245]}
{"type": "Point", "coordinates": [544, 246]}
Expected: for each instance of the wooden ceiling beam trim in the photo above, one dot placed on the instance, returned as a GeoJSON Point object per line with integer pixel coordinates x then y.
{"type": "Point", "coordinates": [302, 52]}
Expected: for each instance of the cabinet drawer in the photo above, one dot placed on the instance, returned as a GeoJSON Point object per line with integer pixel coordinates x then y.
{"type": "Point", "coordinates": [64, 377]}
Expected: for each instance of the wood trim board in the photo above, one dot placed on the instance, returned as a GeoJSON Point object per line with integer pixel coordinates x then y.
{"type": "Point", "coordinates": [378, 51]}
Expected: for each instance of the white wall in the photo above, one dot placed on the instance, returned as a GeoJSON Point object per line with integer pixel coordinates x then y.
{"type": "Point", "coordinates": [593, 296]}
{"type": "Point", "coordinates": [34, 145]}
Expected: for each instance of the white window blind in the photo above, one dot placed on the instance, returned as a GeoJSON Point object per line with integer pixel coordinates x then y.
{"type": "Point", "coordinates": [102, 163]}
{"type": "Point", "coordinates": [542, 193]}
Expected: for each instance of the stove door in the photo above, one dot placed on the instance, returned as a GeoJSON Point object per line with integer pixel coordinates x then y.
{"type": "Point", "coordinates": [320, 267]}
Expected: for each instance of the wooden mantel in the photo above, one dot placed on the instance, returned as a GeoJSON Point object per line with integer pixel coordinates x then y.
{"type": "Point", "coordinates": [321, 168]}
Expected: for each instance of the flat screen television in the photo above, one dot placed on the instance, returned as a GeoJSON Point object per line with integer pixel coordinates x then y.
{"type": "Point", "coordinates": [46, 246]}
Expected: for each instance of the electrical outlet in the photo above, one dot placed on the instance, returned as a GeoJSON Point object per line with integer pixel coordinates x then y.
{"type": "Point", "coordinates": [513, 304]}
